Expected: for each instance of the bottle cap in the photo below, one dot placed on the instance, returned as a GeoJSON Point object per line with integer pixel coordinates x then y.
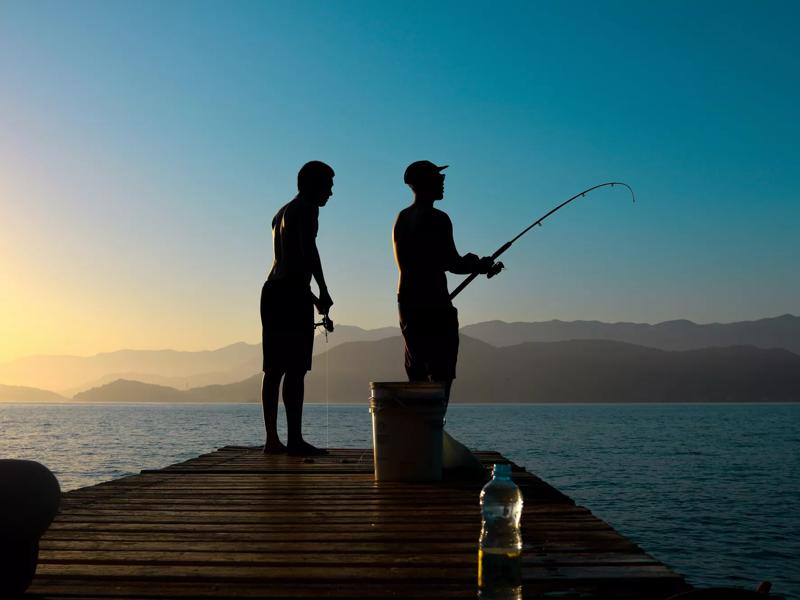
{"type": "Point", "coordinates": [501, 470]}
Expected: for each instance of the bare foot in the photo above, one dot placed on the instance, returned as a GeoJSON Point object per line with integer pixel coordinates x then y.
{"type": "Point", "coordinates": [274, 447]}
{"type": "Point", "coordinates": [305, 449]}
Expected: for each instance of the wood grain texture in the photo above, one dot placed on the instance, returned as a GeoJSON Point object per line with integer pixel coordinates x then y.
{"type": "Point", "coordinates": [237, 524]}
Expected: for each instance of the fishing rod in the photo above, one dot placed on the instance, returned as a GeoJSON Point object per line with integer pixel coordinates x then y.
{"type": "Point", "coordinates": [498, 266]}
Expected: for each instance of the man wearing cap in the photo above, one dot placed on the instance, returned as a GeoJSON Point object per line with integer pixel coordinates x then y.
{"type": "Point", "coordinates": [287, 307]}
{"type": "Point", "coordinates": [424, 250]}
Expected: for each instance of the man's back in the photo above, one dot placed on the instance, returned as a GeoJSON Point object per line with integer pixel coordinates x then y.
{"type": "Point", "coordinates": [424, 250]}
{"type": "Point", "coordinates": [294, 226]}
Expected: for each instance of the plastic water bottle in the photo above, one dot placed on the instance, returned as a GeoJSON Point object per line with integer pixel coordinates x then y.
{"type": "Point", "coordinates": [500, 550]}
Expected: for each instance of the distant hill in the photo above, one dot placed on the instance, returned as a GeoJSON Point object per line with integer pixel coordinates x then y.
{"type": "Point", "coordinates": [181, 383]}
{"type": "Point", "coordinates": [69, 372]}
{"type": "Point", "coordinates": [342, 334]}
{"type": "Point", "coordinates": [70, 375]}
{"type": "Point", "coordinates": [571, 371]}
{"type": "Point", "coordinates": [248, 390]}
{"type": "Point", "coordinates": [777, 332]}
{"type": "Point", "coordinates": [17, 393]}
{"type": "Point", "coordinates": [123, 390]}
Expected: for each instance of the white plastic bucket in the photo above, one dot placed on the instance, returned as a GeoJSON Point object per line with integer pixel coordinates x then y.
{"type": "Point", "coordinates": [407, 422]}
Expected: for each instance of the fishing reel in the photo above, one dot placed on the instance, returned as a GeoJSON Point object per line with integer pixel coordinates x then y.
{"type": "Point", "coordinates": [326, 324]}
{"type": "Point", "coordinates": [495, 269]}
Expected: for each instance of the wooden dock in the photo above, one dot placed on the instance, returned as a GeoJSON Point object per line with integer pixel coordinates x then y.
{"type": "Point", "coordinates": [237, 524]}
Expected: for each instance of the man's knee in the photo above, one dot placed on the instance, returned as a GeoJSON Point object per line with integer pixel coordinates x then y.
{"type": "Point", "coordinates": [272, 377]}
{"type": "Point", "coordinates": [295, 376]}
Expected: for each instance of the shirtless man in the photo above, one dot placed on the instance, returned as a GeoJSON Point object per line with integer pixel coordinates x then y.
{"type": "Point", "coordinates": [287, 307]}
{"type": "Point", "coordinates": [424, 250]}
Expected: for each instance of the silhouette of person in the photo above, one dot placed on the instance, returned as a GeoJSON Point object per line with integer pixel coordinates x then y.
{"type": "Point", "coordinates": [287, 307]}
{"type": "Point", "coordinates": [424, 250]}
{"type": "Point", "coordinates": [29, 499]}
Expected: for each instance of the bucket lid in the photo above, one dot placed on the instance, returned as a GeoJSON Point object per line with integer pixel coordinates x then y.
{"type": "Point", "coordinates": [407, 390]}
{"type": "Point", "coordinates": [406, 385]}
{"type": "Point", "coordinates": [406, 393]}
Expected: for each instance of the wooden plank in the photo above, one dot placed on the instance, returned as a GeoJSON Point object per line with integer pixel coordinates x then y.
{"type": "Point", "coordinates": [400, 530]}
{"type": "Point", "coordinates": [269, 502]}
{"type": "Point", "coordinates": [389, 555]}
{"type": "Point", "coordinates": [347, 572]}
{"type": "Point", "coordinates": [235, 523]}
{"type": "Point", "coordinates": [301, 517]}
{"type": "Point", "coordinates": [83, 551]}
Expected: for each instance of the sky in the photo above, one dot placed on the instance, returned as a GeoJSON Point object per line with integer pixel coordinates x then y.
{"type": "Point", "coordinates": [145, 147]}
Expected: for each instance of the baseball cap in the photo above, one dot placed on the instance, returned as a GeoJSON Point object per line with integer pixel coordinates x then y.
{"type": "Point", "coordinates": [420, 170]}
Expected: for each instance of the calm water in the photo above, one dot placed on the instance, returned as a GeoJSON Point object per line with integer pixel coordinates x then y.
{"type": "Point", "coordinates": [711, 490]}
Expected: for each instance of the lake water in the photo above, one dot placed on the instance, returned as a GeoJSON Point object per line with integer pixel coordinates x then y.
{"type": "Point", "coordinates": [711, 490]}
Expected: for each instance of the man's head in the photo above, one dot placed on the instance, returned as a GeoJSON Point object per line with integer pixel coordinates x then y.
{"type": "Point", "coordinates": [315, 182]}
{"type": "Point", "coordinates": [425, 179]}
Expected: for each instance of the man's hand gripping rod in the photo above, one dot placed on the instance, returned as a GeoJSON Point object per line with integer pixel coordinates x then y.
{"type": "Point", "coordinates": [498, 266]}
{"type": "Point", "coordinates": [327, 325]}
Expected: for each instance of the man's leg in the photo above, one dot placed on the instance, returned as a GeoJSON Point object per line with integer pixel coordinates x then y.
{"type": "Point", "coordinates": [415, 349]}
{"type": "Point", "coordinates": [293, 392]}
{"type": "Point", "coordinates": [415, 369]}
{"type": "Point", "coordinates": [271, 337]}
{"type": "Point", "coordinates": [270, 387]}
{"type": "Point", "coordinates": [448, 383]}
{"type": "Point", "coordinates": [445, 351]}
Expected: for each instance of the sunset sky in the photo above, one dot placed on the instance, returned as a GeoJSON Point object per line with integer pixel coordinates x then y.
{"type": "Point", "coordinates": [145, 146]}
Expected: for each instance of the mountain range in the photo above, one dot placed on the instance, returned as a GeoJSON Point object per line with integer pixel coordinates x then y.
{"type": "Point", "coordinates": [355, 355]}
{"type": "Point", "coordinates": [572, 371]}
{"type": "Point", "coordinates": [776, 332]}
{"type": "Point", "coordinates": [69, 375]}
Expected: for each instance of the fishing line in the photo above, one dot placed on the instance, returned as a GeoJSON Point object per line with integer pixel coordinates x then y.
{"type": "Point", "coordinates": [498, 266]}
{"type": "Point", "coordinates": [327, 327]}
{"type": "Point", "coordinates": [327, 390]}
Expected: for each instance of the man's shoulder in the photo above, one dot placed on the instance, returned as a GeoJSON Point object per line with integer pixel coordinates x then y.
{"type": "Point", "coordinates": [427, 211]}
{"type": "Point", "coordinates": [299, 209]}
{"type": "Point", "coordinates": [406, 211]}
{"type": "Point", "coordinates": [422, 216]}
{"type": "Point", "coordinates": [440, 214]}
{"type": "Point", "coordinates": [404, 215]}
{"type": "Point", "coordinates": [440, 218]}
{"type": "Point", "coordinates": [282, 209]}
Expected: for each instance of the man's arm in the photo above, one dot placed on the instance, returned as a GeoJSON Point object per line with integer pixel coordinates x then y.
{"type": "Point", "coordinates": [308, 244]}
{"type": "Point", "coordinates": [453, 261]}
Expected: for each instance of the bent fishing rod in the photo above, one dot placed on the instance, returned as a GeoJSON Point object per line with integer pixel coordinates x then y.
{"type": "Point", "coordinates": [498, 266]}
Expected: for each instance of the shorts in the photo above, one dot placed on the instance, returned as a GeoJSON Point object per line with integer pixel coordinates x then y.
{"type": "Point", "coordinates": [431, 342]}
{"type": "Point", "coordinates": [287, 326]}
